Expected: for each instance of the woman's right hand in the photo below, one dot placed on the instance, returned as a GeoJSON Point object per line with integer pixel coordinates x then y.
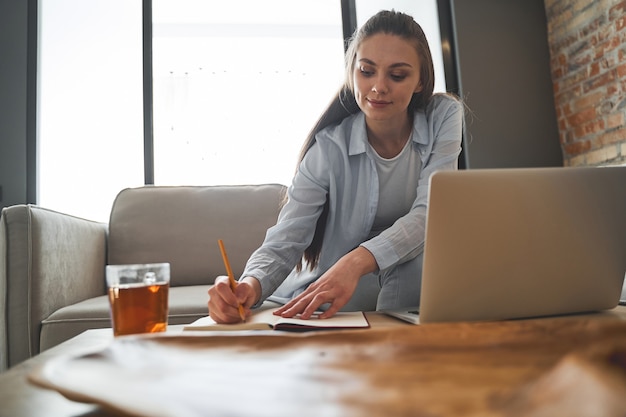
{"type": "Point", "coordinates": [224, 303]}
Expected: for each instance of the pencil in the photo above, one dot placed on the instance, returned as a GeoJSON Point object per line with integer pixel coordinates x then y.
{"type": "Point", "coordinates": [231, 277]}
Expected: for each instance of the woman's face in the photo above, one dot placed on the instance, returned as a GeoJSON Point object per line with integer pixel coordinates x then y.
{"type": "Point", "coordinates": [386, 74]}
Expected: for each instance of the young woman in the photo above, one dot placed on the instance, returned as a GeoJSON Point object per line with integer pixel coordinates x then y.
{"type": "Point", "coordinates": [351, 233]}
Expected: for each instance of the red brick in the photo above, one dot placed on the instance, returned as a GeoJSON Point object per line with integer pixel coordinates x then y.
{"type": "Point", "coordinates": [601, 34]}
{"type": "Point", "coordinates": [573, 79]}
{"type": "Point", "coordinates": [611, 137]}
{"type": "Point", "coordinates": [566, 96]}
{"type": "Point", "coordinates": [580, 61]}
{"type": "Point", "coordinates": [606, 47]}
{"type": "Point", "coordinates": [599, 81]}
{"type": "Point", "coordinates": [587, 44]}
{"type": "Point", "coordinates": [614, 120]}
{"type": "Point", "coordinates": [578, 132]}
{"type": "Point", "coordinates": [557, 73]}
{"type": "Point", "coordinates": [567, 109]}
{"type": "Point", "coordinates": [594, 127]}
{"type": "Point", "coordinates": [576, 148]}
{"type": "Point", "coordinates": [581, 117]}
{"type": "Point", "coordinates": [617, 10]}
{"type": "Point", "coordinates": [594, 69]}
{"type": "Point", "coordinates": [589, 129]}
{"type": "Point", "coordinates": [621, 70]}
{"type": "Point", "coordinates": [612, 89]}
{"type": "Point", "coordinates": [588, 100]}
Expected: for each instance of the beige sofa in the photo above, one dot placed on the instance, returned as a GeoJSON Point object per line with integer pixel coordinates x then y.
{"type": "Point", "coordinates": [52, 279]}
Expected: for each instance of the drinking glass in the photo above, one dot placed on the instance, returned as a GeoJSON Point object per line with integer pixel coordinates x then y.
{"type": "Point", "coordinates": [138, 297]}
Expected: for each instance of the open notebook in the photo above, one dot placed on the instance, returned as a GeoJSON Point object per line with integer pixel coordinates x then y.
{"type": "Point", "coordinates": [527, 242]}
{"type": "Point", "coordinates": [264, 319]}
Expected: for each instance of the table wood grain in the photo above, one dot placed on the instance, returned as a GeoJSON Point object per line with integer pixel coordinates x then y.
{"type": "Point", "coordinates": [571, 365]}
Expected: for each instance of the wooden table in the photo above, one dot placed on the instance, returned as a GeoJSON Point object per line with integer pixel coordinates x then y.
{"type": "Point", "coordinates": [572, 365]}
{"type": "Point", "coordinates": [19, 398]}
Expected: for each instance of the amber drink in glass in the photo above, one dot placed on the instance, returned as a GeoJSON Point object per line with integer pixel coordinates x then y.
{"type": "Point", "coordinates": [138, 297]}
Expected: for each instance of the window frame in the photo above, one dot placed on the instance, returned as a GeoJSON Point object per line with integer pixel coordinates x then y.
{"type": "Point", "coordinates": [349, 24]}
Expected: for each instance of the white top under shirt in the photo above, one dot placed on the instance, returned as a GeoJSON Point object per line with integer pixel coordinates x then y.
{"type": "Point", "coordinates": [397, 179]}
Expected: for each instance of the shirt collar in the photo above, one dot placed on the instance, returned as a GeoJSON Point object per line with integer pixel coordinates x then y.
{"type": "Point", "coordinates": [358, 133]}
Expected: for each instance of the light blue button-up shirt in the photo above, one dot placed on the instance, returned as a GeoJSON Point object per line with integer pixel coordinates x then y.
{"type": "Point", "coordinates": [338, 167]}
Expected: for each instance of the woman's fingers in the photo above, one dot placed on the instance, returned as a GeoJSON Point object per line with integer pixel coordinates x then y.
{"type": "Point", "coordinates": [223, 304]}
{"type": "Point", "coordinates": [309, 302]}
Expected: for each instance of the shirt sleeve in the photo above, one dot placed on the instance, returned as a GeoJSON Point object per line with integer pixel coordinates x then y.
{"type": "Point", "coordinates": [404, 240]}
{"type": "Point", "coordinates": [285, 242]}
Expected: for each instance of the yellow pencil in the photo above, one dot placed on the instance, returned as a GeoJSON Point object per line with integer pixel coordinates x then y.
{"type": "Point", "coordinates": [231, 277]}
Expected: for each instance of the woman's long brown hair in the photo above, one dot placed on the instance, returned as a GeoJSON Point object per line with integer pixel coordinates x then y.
{"type": "Point", "coordinates": [344, 104]}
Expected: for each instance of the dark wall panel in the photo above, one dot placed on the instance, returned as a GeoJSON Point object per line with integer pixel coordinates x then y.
{"type": "Point", "coordinates": [13, 80]}
{"type": "Point", "coordinates": [504, 66]}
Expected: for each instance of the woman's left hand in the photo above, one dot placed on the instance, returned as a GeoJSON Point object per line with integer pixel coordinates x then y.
{"type": "Point", "coordinates": [335, 287]}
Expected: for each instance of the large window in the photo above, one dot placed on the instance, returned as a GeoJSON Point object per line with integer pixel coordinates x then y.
{"type": "Point", "coordinates": [237, 85]}
{"type": "Point", "coordinates": [90, 125]}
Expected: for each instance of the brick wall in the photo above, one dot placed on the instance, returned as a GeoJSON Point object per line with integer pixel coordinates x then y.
{"type": "Point", "coordinates": [587, 41]}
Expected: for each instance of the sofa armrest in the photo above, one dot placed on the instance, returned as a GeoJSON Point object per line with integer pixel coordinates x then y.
{"type": "Point", "coordinates": [48, 260]}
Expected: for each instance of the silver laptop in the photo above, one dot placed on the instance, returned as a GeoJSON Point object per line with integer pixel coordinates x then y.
{"type": "Point", "coordinates": [518, 243]}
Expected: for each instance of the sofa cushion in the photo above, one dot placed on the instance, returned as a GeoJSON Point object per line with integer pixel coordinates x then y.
{"type": "Point", "coordinates": [181, 225]}
{"type": "Point", "coordinates": [186, 304]}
